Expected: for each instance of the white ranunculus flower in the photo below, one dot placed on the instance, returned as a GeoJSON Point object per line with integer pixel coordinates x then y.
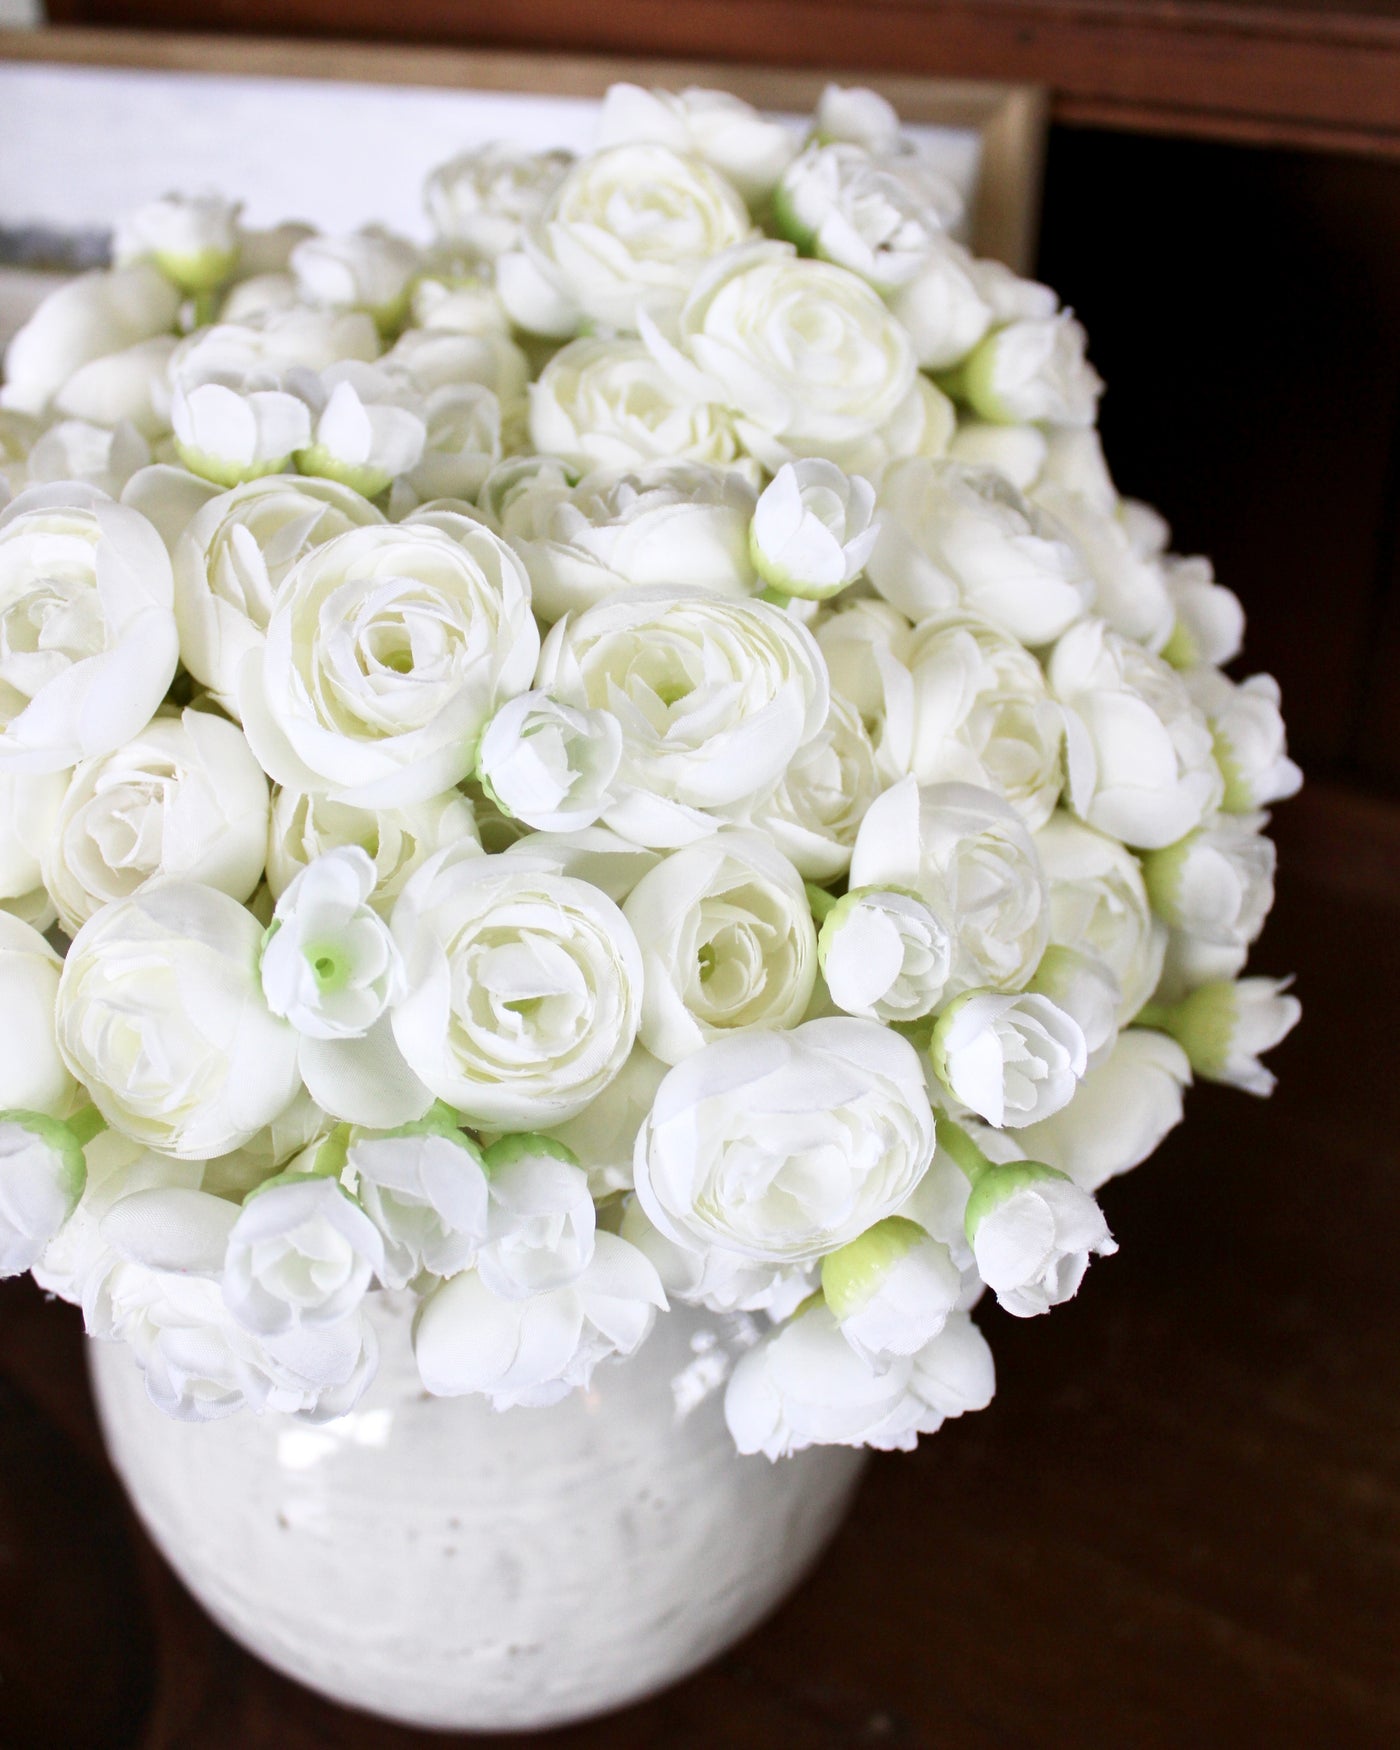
{"type": "Point", "coordinates": [84, 319]}
{"type": "Point", "coordinates": [525, 988]}
{"type": "Point", "coordinates": [876, 215]}
{"type": "Point", "coordinates": [858, 115]}
{"type": "Point", "coordinates": [397, 839]}
{"type": "Point", "coordinates": [1225, 1026]}
{"type": "Point", "coordinates": [1010, 1059]}
{"type": "Point", "coordinates": [812, 529]}
{"type": "Point", "coordinates": [482, 199]}
{"type": "Point", "coordinates": [1123, 1109]}
{"type": "Point", "coordinates": [1139, 753]}
{"type": "Point", "coordinates": [301, 1255]}
{"type": "Point", "coordinates": [229, 434]}
{"type": "Point", "coordinates": [1099, 905]}
{"type": "Point", "coordinates": [941, 305]}
{"type": "Point", "coordinates": [430, 359]}
{"type": "Point", "coordinates": [370, 270]}
{"type": "Point", "coordinates": [1130, 591]}
{"type": "Point", "coordinates": [387, 651]}
{"type": "Point", "coordinates": [1218, 882]}
{"type": "Point", "coordinates": [677, 525]}
{"type": "Point", "coordinates": [184, 798]}
{"type": "Point", "coordinates": [724, 1282]}
{"type": "Point", "coordinates": [332, 969]}
{"type": "Point", "coordinates": [604, 402]}
{"type": "Point", "coordinates": [464, 440]}
{"type": "Point", "coordinates": [1033, 369]}
{"type": "Point", "coordinates": [548, 764]}
{"type": "Point", "coordinates": [161, 1017]}
{"type": "Point", "coordinates": [804, 1385]}
{"type": "Point", "coordinates": [33, 1075]}
{"type": "Point", "coordinates": [815, 811]}
{"type": "Point", "coordinates": [626, 230]}
{"type": "Point", "coordinates": [29, 803]}
{"type": "Point", "coordinates": [537, 1350]}
{"type": "Point", "coordinates": [727, 940]}
{"type": "Point", "coordinates": [892, 1290]}
{"type": "Point", "coordinates": [1250, 744]}
{"type": "Point", "coordinates": [885, 955]}
{"type": "Point", "coordinates": [87, 634]}
{"type": "Point", "coordinates": [1017, 451]}
{"type": "Point", "coordinates": [541, 1223]}
{"type": "Point", "coordinates": [192, 239]}
{"type": "Point", "coordinates": [750, 149]}
{"type": "Point", "coordinates": [715, 699]}
{"type": "Point", "coordinates": [595, 854]}
{"type": "Point", "coordinates": [804, 353]}
{"type": "Point", "coordinates": [955, 537]}
{"type": "Point", "coordinates": [1033, 1232]}
{"type": "Point", "coordinates": [424, 1188]}
{"type": "Point", "coordinates": [230, 560]}
{"type": "Point", "coordinates": [1209, 625]}
{"type": "Point", "coordinates": [1075, 464]}
{"type": "Point", "coordinates": [859, 638]}
{"type": "Point", "coordinates": [42, 1174]}
{"type": "Point", "coordinates": [966, 703]}
{"type": "Point", "coordinates": [96, 455]}
{"type": "Point", "coordinates": [782, 1146]}
{"type": "Point", "coordinates": [968, 855]}
{"type": "Point", "coordinates": [129, 387]}
{"type": "Point", "coordinates": [364, 429]}
{"type": "Point", "coordinates": [158, 1289]}
{"type": "Point", "coordinates": [1083, 986]}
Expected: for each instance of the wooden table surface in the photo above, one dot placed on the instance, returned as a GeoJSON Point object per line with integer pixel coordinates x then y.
{"type": "Point", "coordinates": [1178, 1524]}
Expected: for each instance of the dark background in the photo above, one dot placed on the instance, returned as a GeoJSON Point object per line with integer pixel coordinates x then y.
{"type": "Point", "coordinates": [1179, 1523]}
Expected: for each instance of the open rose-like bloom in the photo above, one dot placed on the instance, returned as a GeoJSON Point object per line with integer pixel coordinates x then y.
{"type": "Point", "coordinates": [750, 149]}
{"type": "Point", "coordinates": [162, 1018]}
{"type": "Point", "coordinates": [87, 629]}
{"type": "Point", "coordinates": [481, 199]}
{"type": "Point", "coordinates": [807, 357]}
{"type": "Point", "coordinates": [727, 942]}
{"type": "Point", "coordinates": [967, 854]}
{"type": "Point", "coordinates": [524, 988]}
{"type": "Point", "coordinates": [231, 556]}
{"type": "Point", "coordinates": [714, 698]}
{"type": "Point", "coordinates": [783, 1146]}
{"type": "Point", "coordinates": [185, 797]}
{"type": "Point", "coordinates": [387, 651]}
{"type": "Point", "coordinates": [804, 1385]}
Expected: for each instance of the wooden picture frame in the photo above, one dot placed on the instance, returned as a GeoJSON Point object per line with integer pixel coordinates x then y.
{"type": "Point", "coordinates": [1011, 119]}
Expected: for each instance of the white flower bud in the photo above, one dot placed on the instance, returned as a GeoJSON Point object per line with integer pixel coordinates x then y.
{"type": "Point", "coordinates": [229, 435]}
{"type": "Point", "coordinates": [372, 270]}
{"type": "Point", "coordinates": [812, 529]}
{"type": "Point", "coordinates": [540, 1224]}
{"type": "Point", "coordinates": [1250, 745]}
{"type": "Point", "coordinates": [364, 432]}
{"type": "Point", "coordinates": [877, 216]}
{"type": "Point", "coordinates": [1209, 626]}
{"type": "Point", "coordinates": [892, 1290]}
{"type": "Point", "coordinates": [301, 1255]}
{"type": "Point", "coordinates": [885, 955]}
{"type": "Point", "coordinates": [192, 239]}
{"type": "Point", "coordinates": [1010, 1059]}
{"type": "Point", "coordinates": [1217, 883]}
{"type": "Point", "coordinates": [1033, 369]}
{"type": "Point", "coordinates": [1225, 1027]}
{"type": "Point", "coordinates": [424, 1188]}
{"type": "Point", "coordinates": [1033, 1232]}
{"type": "Point", "coordinates": [42, 1175]}
{"type": "Point", "coordinates": [548, 764]}
{"type": "Point", "coordinates": [86, 318]}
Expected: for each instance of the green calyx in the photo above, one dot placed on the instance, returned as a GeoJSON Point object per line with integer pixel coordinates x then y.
{"type": "Point", "coordinates": [1000, 1181]}
{"type": "Point", "coordinates": [1203, 1024]}
{"type": "Point", "coordinates": [1162, 871]}
{"type": "Point", "coordinates": [1238, 798]}
{"type": "Point", "coordinates": [938, 1039]}
{"type": "Point", "coordinates": [971, 382]}
{"type": "Point", "coordinates": [788, 226]}
{"type": "Point", "coordinates": [822, 904]}
{"type": "Point", "coordinates": [852, 1275]}
{"type": "Point", "coordinates": [202, 272]}
{"type": "Point", "coordinates": [228, 474]}
{"type": "Point", "coordinates": [322, 464]}
{"type": "Point", "coordinates": [524, 1145]}
{"type": "Point", "coordinates": [1181, 649]}
{"type": "Point", "coordinates": [65, 1139]}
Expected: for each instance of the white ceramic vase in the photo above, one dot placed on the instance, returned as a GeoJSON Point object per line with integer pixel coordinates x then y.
{"type": "Point", "coordinates": [438, 1563]}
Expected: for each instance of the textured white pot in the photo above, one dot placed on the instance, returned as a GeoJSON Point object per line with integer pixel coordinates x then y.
{"type": "Point", "coordinates": [435, 1562]}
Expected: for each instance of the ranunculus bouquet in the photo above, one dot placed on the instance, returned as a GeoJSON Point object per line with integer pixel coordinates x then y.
{"type": "Point", "coordinates": [635, 755]}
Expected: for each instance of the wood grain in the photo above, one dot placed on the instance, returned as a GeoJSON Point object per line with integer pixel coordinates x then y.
{"type": "Point", "coordinates": [1303, 72]}
{"type": "Point", "coordinates": [1179, 1523]}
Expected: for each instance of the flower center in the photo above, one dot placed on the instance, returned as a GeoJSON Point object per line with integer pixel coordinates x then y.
{"type": "Point", "coordinates": [330, 965]}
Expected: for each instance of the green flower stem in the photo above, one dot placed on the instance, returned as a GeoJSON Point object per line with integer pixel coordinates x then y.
{"type": "Point", "coordinates": [86, 1124]}
{"type": "Point", "coordinates": [821, 902]}
{"type": "Point", "coordinates": [964, 1152]}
